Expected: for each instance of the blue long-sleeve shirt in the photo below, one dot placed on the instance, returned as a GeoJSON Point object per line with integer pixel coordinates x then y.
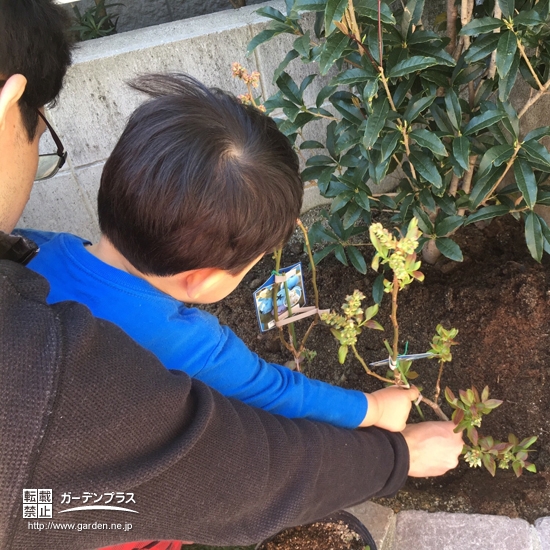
{"type": "Point", "coordinates": [185, 338]}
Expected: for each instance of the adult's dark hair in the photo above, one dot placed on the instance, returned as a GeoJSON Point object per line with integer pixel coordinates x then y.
{"type": "Point", "coordinates": [34, 43]}
{"type": "Point", "coordinates": [197, 180]}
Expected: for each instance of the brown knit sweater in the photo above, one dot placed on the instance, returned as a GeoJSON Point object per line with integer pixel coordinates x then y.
{"type": "Point", "coordinates": [86, 410]}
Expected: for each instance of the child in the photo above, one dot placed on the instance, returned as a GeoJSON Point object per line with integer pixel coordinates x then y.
{"type": "Point", "coordinates": [198, 188]}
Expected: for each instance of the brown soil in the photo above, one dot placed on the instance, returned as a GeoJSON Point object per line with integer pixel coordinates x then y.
{"type": "Point", "coordinates": [498, 299]}
{"type": "Point", "coordinates": [316, 536]}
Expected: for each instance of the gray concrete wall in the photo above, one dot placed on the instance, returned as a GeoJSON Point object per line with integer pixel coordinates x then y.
{"type": "Point", "coordinates": [95, 103]}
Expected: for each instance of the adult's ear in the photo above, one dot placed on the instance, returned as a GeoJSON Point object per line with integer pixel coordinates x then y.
{"type": "Point", "coordinates": [10, 94]}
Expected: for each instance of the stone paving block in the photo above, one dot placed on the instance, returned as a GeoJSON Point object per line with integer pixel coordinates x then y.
{"type": "Point", "coordinates": [445, 531]}
{"type": "Point", "coordinates": [542, 526]}
{"type": "Point", "coordinates": [379, 520]}
{"type": "Point", "coordinates": [95, 102]}
{"type": "Point", "coordinates": [58, 204]}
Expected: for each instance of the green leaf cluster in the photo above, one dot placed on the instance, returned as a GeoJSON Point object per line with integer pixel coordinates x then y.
{"type": "Point", "coordinates": [95, 22]}
{"type": "Point", "coordinates": [347, 327]}
{"type": "Point", "coordinates": [469, 408]}
{"type": "Point", "coordinates": [444, 126]}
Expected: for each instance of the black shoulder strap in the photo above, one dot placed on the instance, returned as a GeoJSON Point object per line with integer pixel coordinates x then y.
{"type": "Point", "coordinates": [17, 248]}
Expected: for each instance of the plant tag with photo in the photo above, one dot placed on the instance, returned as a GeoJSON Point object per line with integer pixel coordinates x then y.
{"type": "Point", "coordinates": [263, 296]}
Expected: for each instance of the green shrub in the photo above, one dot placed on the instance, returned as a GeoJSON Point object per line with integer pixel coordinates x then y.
{"type": "Point", "coordinates": [432, 109]}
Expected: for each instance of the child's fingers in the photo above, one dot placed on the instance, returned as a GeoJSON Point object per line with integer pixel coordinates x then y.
{"type": "Point", "coordinates": [414, 392]}
{"type": "Point", "coordinates": [411, 393]}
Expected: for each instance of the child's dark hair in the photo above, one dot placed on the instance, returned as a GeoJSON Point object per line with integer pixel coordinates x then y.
{"type": "Point", "coordinates": [197, 180]}
{"type": "Point", "coordinates": [34, 43]}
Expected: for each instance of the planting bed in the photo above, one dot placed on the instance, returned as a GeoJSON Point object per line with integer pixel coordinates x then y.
{"type": "Point", "coordinates": [498, 298]}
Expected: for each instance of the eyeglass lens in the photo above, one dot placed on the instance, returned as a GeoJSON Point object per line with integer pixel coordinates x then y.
{"type": "Point", "coordinates": [48, 165]}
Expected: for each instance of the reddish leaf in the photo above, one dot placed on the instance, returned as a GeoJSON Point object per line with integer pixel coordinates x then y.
{"type": "Point", "coordinates": [458, 416]}
{"type": "Point", "coordinates": [518, 470]}
{"type": "Point", "coordinates": [522, 455]}
{"type": "Point", "coordinates": [490, 464]}
{"type": "Point", "coordinates": [473, 436]}
{"type": "Point", "coordinates": [465, 398]}
{"type": "Point", "coordinates": [374, 325]}
{"type": "Point", "coordinates": [492, 403]}
{"type": "Point", "coordinates": [449, 395]}
{"type": "Point", "coordinates": [502, 447]}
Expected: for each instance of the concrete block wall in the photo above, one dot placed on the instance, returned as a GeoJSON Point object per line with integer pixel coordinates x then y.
{"type": "Point", "coordinates": [95, 103]}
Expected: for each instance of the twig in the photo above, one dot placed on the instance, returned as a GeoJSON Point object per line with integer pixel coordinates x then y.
{"type": "Point", "coordinates": [394, 157]}
{"type": "Point", "coordinates": [435, 407]}
{"type": "Point", "coordinates": [534, 99]}
{"type": "Point", "coordinates": [308, 332]}
{"type": "Point", "coordinates": [508, 166]}
{"type": "Point", "coordinates": [452, 16]}
{"type": "Point", "coordinates": [466, 9]}
{"type": "Point", "coordinates": [453, 186]}
{"type": "Point", "coordinates": [311, 262]}
{"type": "Point", "coordinates": [278, 253]}
{"type": "Point", "coordinates": [467, 180]}
{"type": "Point", "coordinates": [393, 317]}
{"type": "Point", "coordinates": [368, 371]}
{"type": "Point", "coordinates": [529, 66]}
{"type": "Point", "coordinates": [438, 384]}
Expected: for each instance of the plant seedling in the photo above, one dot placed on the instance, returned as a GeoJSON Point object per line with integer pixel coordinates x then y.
{"type": "Point", "coordinates": [398, 253]}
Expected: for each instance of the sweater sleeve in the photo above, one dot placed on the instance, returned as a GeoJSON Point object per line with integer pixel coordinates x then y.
{"type": "Point", "coordinates": [107, 417]}
{"type": "Point", "coordinates": [235, 371]}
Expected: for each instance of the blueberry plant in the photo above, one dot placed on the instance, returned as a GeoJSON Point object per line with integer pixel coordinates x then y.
{"type": "Point", "coordinates": [431, 108]}
{"type": "Point", "coordinates": [297, 347]}
{"type": "Point", "coordinates": [396, 253]}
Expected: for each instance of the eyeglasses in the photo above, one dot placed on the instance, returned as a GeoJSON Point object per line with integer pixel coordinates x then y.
{"type": "Point", "coordinates": [49, 165]}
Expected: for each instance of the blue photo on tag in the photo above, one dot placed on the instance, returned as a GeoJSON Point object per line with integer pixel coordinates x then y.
{"type": "Point", "coordinates": [263, 296]}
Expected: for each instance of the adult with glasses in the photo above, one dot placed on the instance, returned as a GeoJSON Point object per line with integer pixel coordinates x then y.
{"type": "Point", "coordinates": [86, 410]}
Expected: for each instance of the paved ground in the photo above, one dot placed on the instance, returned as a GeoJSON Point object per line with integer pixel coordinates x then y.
{"type": "Point", "coordinates": [413, 530]}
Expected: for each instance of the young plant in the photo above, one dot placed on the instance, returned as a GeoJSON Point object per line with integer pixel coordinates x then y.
{"type": "Point", "coordinates": [252, 81]}
{"type": "Point", "coordinates": [296, 347]}
{"type": "Point", "coordinates": [95, 22]}
{"type": "Point", "coordinates": [292, 344]}
{"type": "Point", "coordinates": [434, 110]}
{"type": "Point", "coordinates": [398, 253]}
{"type": "Point", "coordinates": [488, 452]}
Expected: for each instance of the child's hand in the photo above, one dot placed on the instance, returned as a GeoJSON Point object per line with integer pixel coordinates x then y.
{"type": "Point", "coordinates": [389, 408]}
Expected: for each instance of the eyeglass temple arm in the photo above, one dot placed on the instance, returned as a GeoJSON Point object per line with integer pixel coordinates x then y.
{"type": "Point", "coordinates": [60, 148]}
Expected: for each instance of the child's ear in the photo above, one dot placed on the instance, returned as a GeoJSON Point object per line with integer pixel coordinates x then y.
{"type": "Point", "coordinates": [10, 94]}
{"type": "Point", "coordinates": [198, 283]}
